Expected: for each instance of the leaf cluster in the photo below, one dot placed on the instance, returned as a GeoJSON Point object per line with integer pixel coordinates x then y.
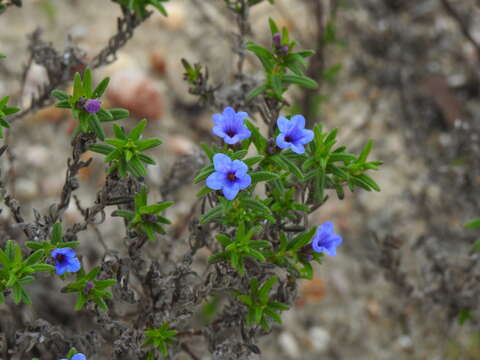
{"type": "Point", "coordinates": [241, 247]}
{"type": "Point", "coordinates": [124, 152]}
{"type": "Point", "coordinates": [5, 111]}
{"type": "Point", "coordinates": [260, 306]}
{"type": "Point", "coordinates": [17, 271]}
{"type": "Point", "coordinates": [82, 92]}
{"type": "Point", "coordinates": [160, 338]}
{"type": "Point", "coordinates": [88, 289]}
{"type": "Point", "coordinates": [146, 218]}
{"type": "Point", "coordinates": [283, 67]}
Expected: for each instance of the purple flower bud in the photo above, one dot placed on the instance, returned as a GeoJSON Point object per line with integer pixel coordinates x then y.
{"type": "Point", "coordinates": [284, 50]}
{"type": "Point", "coordinates": [277, 40]}
{"type": "Point", "coordinates": [272, 148]}
{"type": "Point", "coordinates": [88, 287]}
{"type": "Point", "coordinates": [92, 106]}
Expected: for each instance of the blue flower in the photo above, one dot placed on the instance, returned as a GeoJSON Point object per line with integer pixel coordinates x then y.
{"type": "Point", "coordinates": [293, 134]}
{"type": "Point", "coordinates": [92, 106]}
{"type": "Point", "coordinates": [325, 240]}
{"type": "Point", "coordinates": [77, 356]}
{"type": "Point", "coordinates": [229, 176]}
{"type": "Point", "coordinates": [65, 260]}
{"type": "Point", "coordinates": [230, 126]}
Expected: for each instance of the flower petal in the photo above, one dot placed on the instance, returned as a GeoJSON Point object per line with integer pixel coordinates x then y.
{"type": "Point", "coordinates": [221, 162]}
{"type": "Point", "coordinates": [73, 265]}
{"type": "Point", "coordinates": [229, 113]}
{"type": "Point", "coordinates": [240, 116]}
{"type": "Point", "coordinates": [215, 181]}
{"type": "Point", "coordinates": [231, 140]}
{"type": "Point", "coordinates": [218, 130]}
{"type": "Point", "coordinates": [297, 148]}
{"type": "Point", "coordinates": [281, 143]}
{"type": "Point", "coordinates": [79, 356]}
{"type": "Point", "coordinates": [231, 191]}
{"type": "Point", "coordinates": [298, 121]}
{"type": "Point", "coordinates": [307, 136]}
{"type": "Point", "coordinates": [239, 167]}
{"type": "Point", "coordinates": [283, 124]}
{"type": "Point", "coordinates": [60, 269]}
{"type": "Point", "coordinates": [326, 226]}
{"type": "Point", "coordinates": [244, 181]}
{"type": "Point", "coordinates": [217, 119]}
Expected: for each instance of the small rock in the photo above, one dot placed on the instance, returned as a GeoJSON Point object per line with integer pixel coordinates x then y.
{"type": "Point", "coordinates": [180, 145]}
{"type": "Point", "coordinates": [289, 345]}
{"type": "Point", "coordinates": [37, 155]}
{"type": "Point", "coordinates": [313, 291]}
{"type": "Point", "coordinates": [158, 63]}
{"type": "Point", "coordinates": [25, 189]}
{"type": "Point", "coordinates": [134, 91]}
{"type": "Point", "coordinates": [320, 338]}
{"type": "Point", "coordinates": [49, 115]}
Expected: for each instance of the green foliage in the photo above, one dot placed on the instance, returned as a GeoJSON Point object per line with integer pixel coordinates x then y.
{"type": "Point", "coordinates": [140, 6]}
{"type": "Point", "coordinates": [295, 255]}
{"type": "Point", "coordinates": [88, 289]}
{"type": "Point", "coordinates": [5, 111]}
{"type": "Point", "coordinates": [240, 248]}
{"type": "Point", "coordinates": [283, 67]}
{"type": "Point", "coordinates": [125, 151]}
{"type": "Point", "coordinates": [329, 168]}
{"type": "Point", "coordinates": [15, 271]}
{"type": "Point", "coordinates": [146, 218]}
{"type": "Point", "coordinates": [260, 306]}
{"type": "Point", "coordinates": [159, 339]}
{"type": "Point", "coordinates": [82, 92]}
{"type": "Point", "coordinates": [474, 224]}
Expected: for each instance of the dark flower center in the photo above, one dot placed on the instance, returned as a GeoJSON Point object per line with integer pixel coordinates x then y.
{"type": "Point", "coordinates": [60, 257]}
{"type": "Point", "coordinates": [230, 133]}
{"type": "Point", "coordinates": [288, 138]}
{"type": "Point", "coordinates": [231, 176]}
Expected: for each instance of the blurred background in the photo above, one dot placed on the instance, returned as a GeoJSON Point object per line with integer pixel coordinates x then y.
{"type": "Point", "coordinates": [404, 73]}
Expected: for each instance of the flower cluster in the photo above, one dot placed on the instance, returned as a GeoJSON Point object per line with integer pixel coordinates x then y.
{"type": "Point", "coordinates": [78, 356]}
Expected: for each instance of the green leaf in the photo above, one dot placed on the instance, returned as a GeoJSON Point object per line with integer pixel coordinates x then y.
{"type": "Point", "coordinates": [256, 91]}
{"type": "Point", "coordinates": [60, 95]}
{"type": "Point", "coordinates": [265, 289]}
{"type": "Point", "coordinates": [263, 176]}
{"type": "Point", "coordinates": [95, 125]}
{"type": "Point", "coordinates": [101, 148]}
{"type": "Point", "coordinates": [118, 114]}
{"type": "Point", "coordinates": [77, 87]}
{"type": "Point", "coordinates": [147, 144]}
{"type": "Point", "coordinates": [253, 160]}
{"type": "Point", "coordinates": [138, 130]}
{"type": "Point", "coordinates": [365, 152]}
{"type": "Point", "coordinates": [155, 208]}
{"type": "Point", "coordinates": [104, 115]}
{"type": "Point", "coordinates": [212, 214]}
{"type": "Point", "coordinates": [266, 57]}
{"type": "Point", "coordinates": [273, 26]}
{"type": "Point", "coordinates": [34, 258]}
{"type": "Point", "coordinates": [57, 233]}
{"type": "Point", "coordinates": [100, 89]}
{"type": "Point", "coordinates": [87, 82]}
{"type": "Point", "coordinates": [473, 224]}
{"type": "Point", "coordinates": [300, 80]}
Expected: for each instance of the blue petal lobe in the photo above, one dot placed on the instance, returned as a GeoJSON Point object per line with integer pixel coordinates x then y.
{"type": "Point", "coordinates": [215, 181]}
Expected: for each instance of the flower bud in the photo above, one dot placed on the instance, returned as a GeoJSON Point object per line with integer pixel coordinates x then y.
{"type": "Point", "coordinates": [277, 40]}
